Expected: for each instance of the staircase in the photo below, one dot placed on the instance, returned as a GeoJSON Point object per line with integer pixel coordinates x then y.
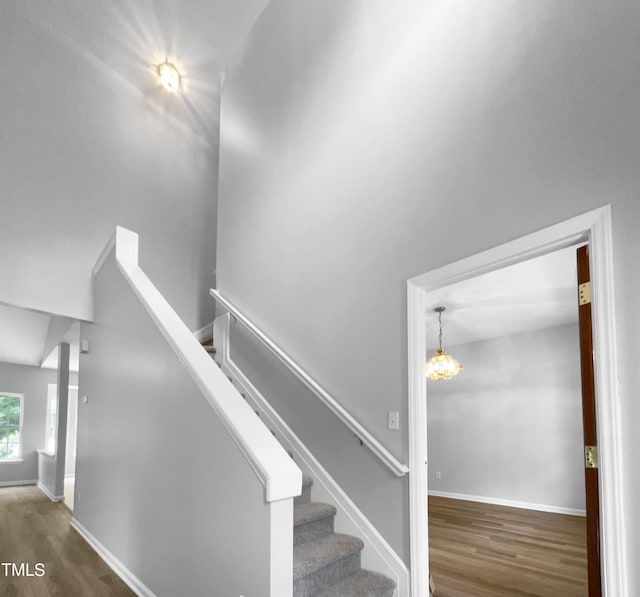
{"type": "Point", "coordinates": [325, 564]}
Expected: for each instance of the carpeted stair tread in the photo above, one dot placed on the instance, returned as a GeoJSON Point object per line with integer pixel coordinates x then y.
{"type": "Point", "coordinates": [305, 496]}
{"type": "Point", "coordinates": [315, 555]}
{"type": "Point", "coordinates": [362, 584]}
{"type": "Point", "coordinates": [311, 521]}
{"type": "Point", "coordinates": [312, 511]}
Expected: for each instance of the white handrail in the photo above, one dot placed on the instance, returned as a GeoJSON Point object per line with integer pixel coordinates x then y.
{"type": "Point", "coordinates": [279, 475]}
{"type": "Point", "coordinates": [346, 417]}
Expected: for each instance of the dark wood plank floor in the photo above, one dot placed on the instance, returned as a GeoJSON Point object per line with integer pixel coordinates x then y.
{"type": "Point", "coordinates": [33, 530]}
{"type": "Point", "coordinates": [482, 550]}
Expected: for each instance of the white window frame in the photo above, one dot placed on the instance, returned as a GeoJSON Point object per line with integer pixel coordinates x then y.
{"type": "Point", "coordinates": [17, 458]}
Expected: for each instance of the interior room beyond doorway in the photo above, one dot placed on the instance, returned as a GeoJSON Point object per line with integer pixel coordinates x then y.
{"type": "Point", "coordinates": [505, 436]}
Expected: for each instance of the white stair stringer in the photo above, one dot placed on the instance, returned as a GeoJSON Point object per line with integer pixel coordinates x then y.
{"type": "Point", "coordinates": [377, 554]}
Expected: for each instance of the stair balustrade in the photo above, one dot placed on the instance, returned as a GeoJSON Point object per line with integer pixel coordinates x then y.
{"type": "Point", "coordinates": [363, 435]}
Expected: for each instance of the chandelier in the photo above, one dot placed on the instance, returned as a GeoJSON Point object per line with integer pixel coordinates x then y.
{"type": "Point", "coordinates": [441, 365]}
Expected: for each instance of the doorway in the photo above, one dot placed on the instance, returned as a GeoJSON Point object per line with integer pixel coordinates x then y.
{"type": "Point", "coordinates": [594, 228]}
{"type": "Point", "coordinates": [505, 441]}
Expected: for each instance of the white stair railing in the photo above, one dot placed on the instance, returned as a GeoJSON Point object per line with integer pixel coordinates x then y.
{"type": "Point", "coordinates": [367, 439]}
{"type": "Point", "coordinates": [280, 477]}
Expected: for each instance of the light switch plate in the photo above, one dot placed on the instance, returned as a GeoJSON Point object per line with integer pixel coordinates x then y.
{"type": "Point", "coordinates": [393, 420]}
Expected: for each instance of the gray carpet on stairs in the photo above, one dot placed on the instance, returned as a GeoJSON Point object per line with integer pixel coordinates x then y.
{"type": "Point", "coordinates": [362, 584]}
{"type": "Point", "coordinates": [325, 563]}
{"type": "Point", "coordinates": [312, 521]}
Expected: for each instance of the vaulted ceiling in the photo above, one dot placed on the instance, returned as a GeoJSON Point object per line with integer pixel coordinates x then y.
{"type": "Point", "coordinates": [67, 145]}
{"type": "Point", "coordinates": [129, 37]}
{"type": "Point", "coordinates": [125, 39]}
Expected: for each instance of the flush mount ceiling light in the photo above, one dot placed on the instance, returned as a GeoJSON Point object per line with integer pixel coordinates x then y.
{"type": "Point", "coordinates": [169, 77]}
{"type": "Point", "coordinates": [441, 365]}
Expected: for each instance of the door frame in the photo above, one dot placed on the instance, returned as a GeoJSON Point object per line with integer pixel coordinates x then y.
{"type": "Point", "coordinates": [593, 227]}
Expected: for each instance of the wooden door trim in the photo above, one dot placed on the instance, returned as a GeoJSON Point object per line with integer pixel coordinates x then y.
{"type": "Point", "coordinates": [612, 529]}
{"type": "Point", "coordinates": [593, 227]}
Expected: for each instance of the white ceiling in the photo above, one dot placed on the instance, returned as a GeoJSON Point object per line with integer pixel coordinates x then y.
{"type": "Point", "coordinates": [531, 295]}
{"type": "Point", "coordinates": [23, 335]}
{"type": "Point", "coordinates": [72, 336]}
{"type": "Point", "coordinates": [129, 38]}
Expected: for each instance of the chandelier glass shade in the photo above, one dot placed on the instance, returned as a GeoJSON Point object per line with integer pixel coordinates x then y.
{"type": "Point", "coordinates": [441, 365]}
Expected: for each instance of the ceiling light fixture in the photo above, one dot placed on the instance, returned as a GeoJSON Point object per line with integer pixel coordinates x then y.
{"type": "Point", "coordinates": [441, 366]}
{"type": "Point", "coordinates": [169, 76]}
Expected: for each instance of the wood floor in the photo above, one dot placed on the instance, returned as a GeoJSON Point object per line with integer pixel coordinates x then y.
{"type": "Point", "coordinates": [482, 550]}
{"type": "Point", "coordinates": [33, 530]}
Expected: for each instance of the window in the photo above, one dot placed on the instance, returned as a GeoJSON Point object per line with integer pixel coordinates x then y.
{"type": "Point", "coordinates": [10, 425]}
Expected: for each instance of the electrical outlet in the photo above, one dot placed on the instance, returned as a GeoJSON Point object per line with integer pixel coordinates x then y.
{"type": "Point", "coordinates": [393, 420]}
{"type": "Point", "coordinates": [438, 475]}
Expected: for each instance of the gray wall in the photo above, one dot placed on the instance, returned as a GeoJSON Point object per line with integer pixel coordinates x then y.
{"type": "Point", "coordinates": [363, 144]}
{"type": "Point", "coordinates": [83, 149]}
{"type": "Point", "coordinates": [159, 481]}
{"type": "Point", "coordinates": [32, 382]}
{"type": "Point", "coordinates": [510, 425]}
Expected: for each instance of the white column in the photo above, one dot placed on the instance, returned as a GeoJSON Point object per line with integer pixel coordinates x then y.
{"type": "Point", "coordinates": [63, 402]}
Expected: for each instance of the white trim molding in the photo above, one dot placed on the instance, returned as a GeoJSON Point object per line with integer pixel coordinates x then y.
{"type": "Point", "coordinates": [130, 579]}
{"type": "Point", "coordinates": [377, 555]}
{"type": "Point", "coordinates": [280, 477]}
{"type": "Point", "coordinates": [481, 499]}
{"type": "Point", "coordinates": [418, 477]}
{"type": "Point", "coordinates": [281, 560]}
{"type": "Point", "coordinates": [54, 498]}
{"type": "Point", "coordinates": [204, 332]}
{"type": "Point", "coordinates": [278, 474]}
{"type": "Point", "coordinates": [593, 227]}
{"type": "Point", "coordinates": [16, 483]}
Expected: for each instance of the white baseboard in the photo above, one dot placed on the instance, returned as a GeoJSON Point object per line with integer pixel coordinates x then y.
{"type": "Point", "coordinates": [53, 498]}
{"type": "Point", "coordinates": [132, 581]}
{"type": "Point", "coordinates": [509, 503]}
{"type": "Point", "coordinates": [204, 333]}
{"type": "Point", "coordinates": [15, 483]}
